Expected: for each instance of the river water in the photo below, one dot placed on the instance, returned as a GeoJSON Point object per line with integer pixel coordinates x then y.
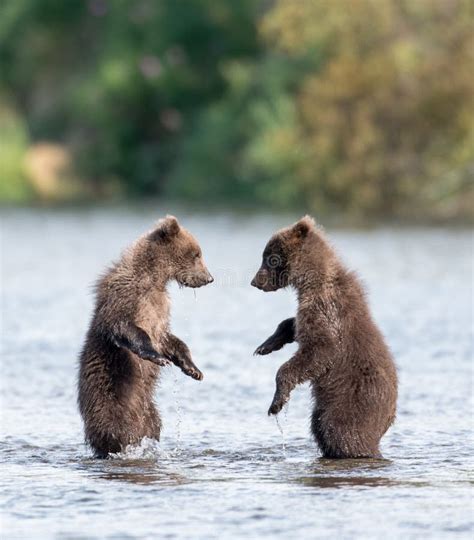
{"type": "Point", "coordinates": [223, 468]}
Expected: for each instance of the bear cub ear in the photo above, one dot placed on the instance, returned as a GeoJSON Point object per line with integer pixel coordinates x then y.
{"type": "Point", "coordinates": [302, 227]}
{"type": "Point", "coordinates": [167, 229]}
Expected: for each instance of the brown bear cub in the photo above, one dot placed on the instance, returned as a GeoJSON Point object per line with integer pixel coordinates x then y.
{"type": "Point", "coordinates": [129, 337]}
{"type": "Point", "coordinates": [341, 351]}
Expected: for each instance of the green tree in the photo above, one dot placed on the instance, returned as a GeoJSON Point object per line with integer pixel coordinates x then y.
{"type": "Point", "coordinates": [119, 81]}
{"type": "Point", "coordinates": [386, 122]}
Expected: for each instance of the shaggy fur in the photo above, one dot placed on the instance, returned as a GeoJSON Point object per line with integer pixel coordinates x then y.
{"type": "Point", "coordinates": [129, 338]}
{"type": "Point", "coordinates": [341, 350]}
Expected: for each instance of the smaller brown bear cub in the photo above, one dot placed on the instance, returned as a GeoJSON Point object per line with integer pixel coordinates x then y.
{"type": "Point", "coordinates": [129, 337]}
{"type": "Point", "coordinates": [341, 351]}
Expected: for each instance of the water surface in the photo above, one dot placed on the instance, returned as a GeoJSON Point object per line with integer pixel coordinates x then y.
{"type": "Point", "coordinates": [223, 469]}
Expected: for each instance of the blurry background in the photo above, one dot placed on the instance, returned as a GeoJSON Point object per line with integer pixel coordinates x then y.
{"type": "Point", "coordinates": [360, 108]}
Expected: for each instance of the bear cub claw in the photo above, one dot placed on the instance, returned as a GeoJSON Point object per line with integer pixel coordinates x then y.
{"type": "Point", "coordinates": [268, 346]}
{"type": "Point", "coordinates": [262, 350]}
{"type": "Point", "coordinates": [277, 405]}
{"type": "Point", "coordinates": [194, 373]}
{"type": "Point", "coordinates": [153, 356]}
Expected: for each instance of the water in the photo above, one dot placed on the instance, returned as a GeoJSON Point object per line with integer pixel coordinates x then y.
{"type": "Point", "coordinates": [222, 469]}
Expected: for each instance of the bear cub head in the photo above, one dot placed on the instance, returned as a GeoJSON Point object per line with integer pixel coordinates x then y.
{"type": "Point", "coordinates": [283, 260]}
{"type": "Point", "coordinates": [178, 253]}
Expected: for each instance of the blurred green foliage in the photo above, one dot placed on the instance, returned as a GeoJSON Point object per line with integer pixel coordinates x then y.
{"type": "Point", "coordinates": [361, 106]}
{"type": "Point", "coordinates": [13, 146]}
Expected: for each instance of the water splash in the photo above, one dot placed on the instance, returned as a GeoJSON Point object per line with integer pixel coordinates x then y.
{"type": "Point", "coordinates": [147, 449]}
{"type": "Point", "coordinates": [177, 406]}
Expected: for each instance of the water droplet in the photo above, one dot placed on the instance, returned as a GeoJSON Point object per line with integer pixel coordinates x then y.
{"type": "Point", "coordinates": [177, 405]}
{"type": "Point", "coordinates": [280, 429]}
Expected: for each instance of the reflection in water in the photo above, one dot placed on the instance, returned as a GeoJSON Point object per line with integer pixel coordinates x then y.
{"type": "Point", "coordinates": [357, 481]}
{"type": "Point", "coordinates": [336, 473]}
{"type": "Point", "coordinates": [141, 472]}
{"type": "Point", "coordinates": [144, 478]}
{"type": "Point", "coordinates": [345, 481]}
{"type": "Point", "coordinates": [357, 464]}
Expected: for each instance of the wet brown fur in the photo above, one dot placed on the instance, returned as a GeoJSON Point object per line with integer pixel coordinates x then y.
{"type": "Point", "coordinates": [341, 350]}
{"type": "Point", "coordinates": [129, 338]}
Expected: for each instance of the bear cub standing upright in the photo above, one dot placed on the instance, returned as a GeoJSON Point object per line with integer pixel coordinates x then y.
{"type": "Point", "coordinates": [129, 338]}
{"type": "Point", "coordinates": [341, 351]}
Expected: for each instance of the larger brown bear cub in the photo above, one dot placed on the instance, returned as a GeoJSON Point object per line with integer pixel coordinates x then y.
{"type": "Point", "coordinates": [129, 338]}
{"type": "Point", "coordinates": [341, 351]}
